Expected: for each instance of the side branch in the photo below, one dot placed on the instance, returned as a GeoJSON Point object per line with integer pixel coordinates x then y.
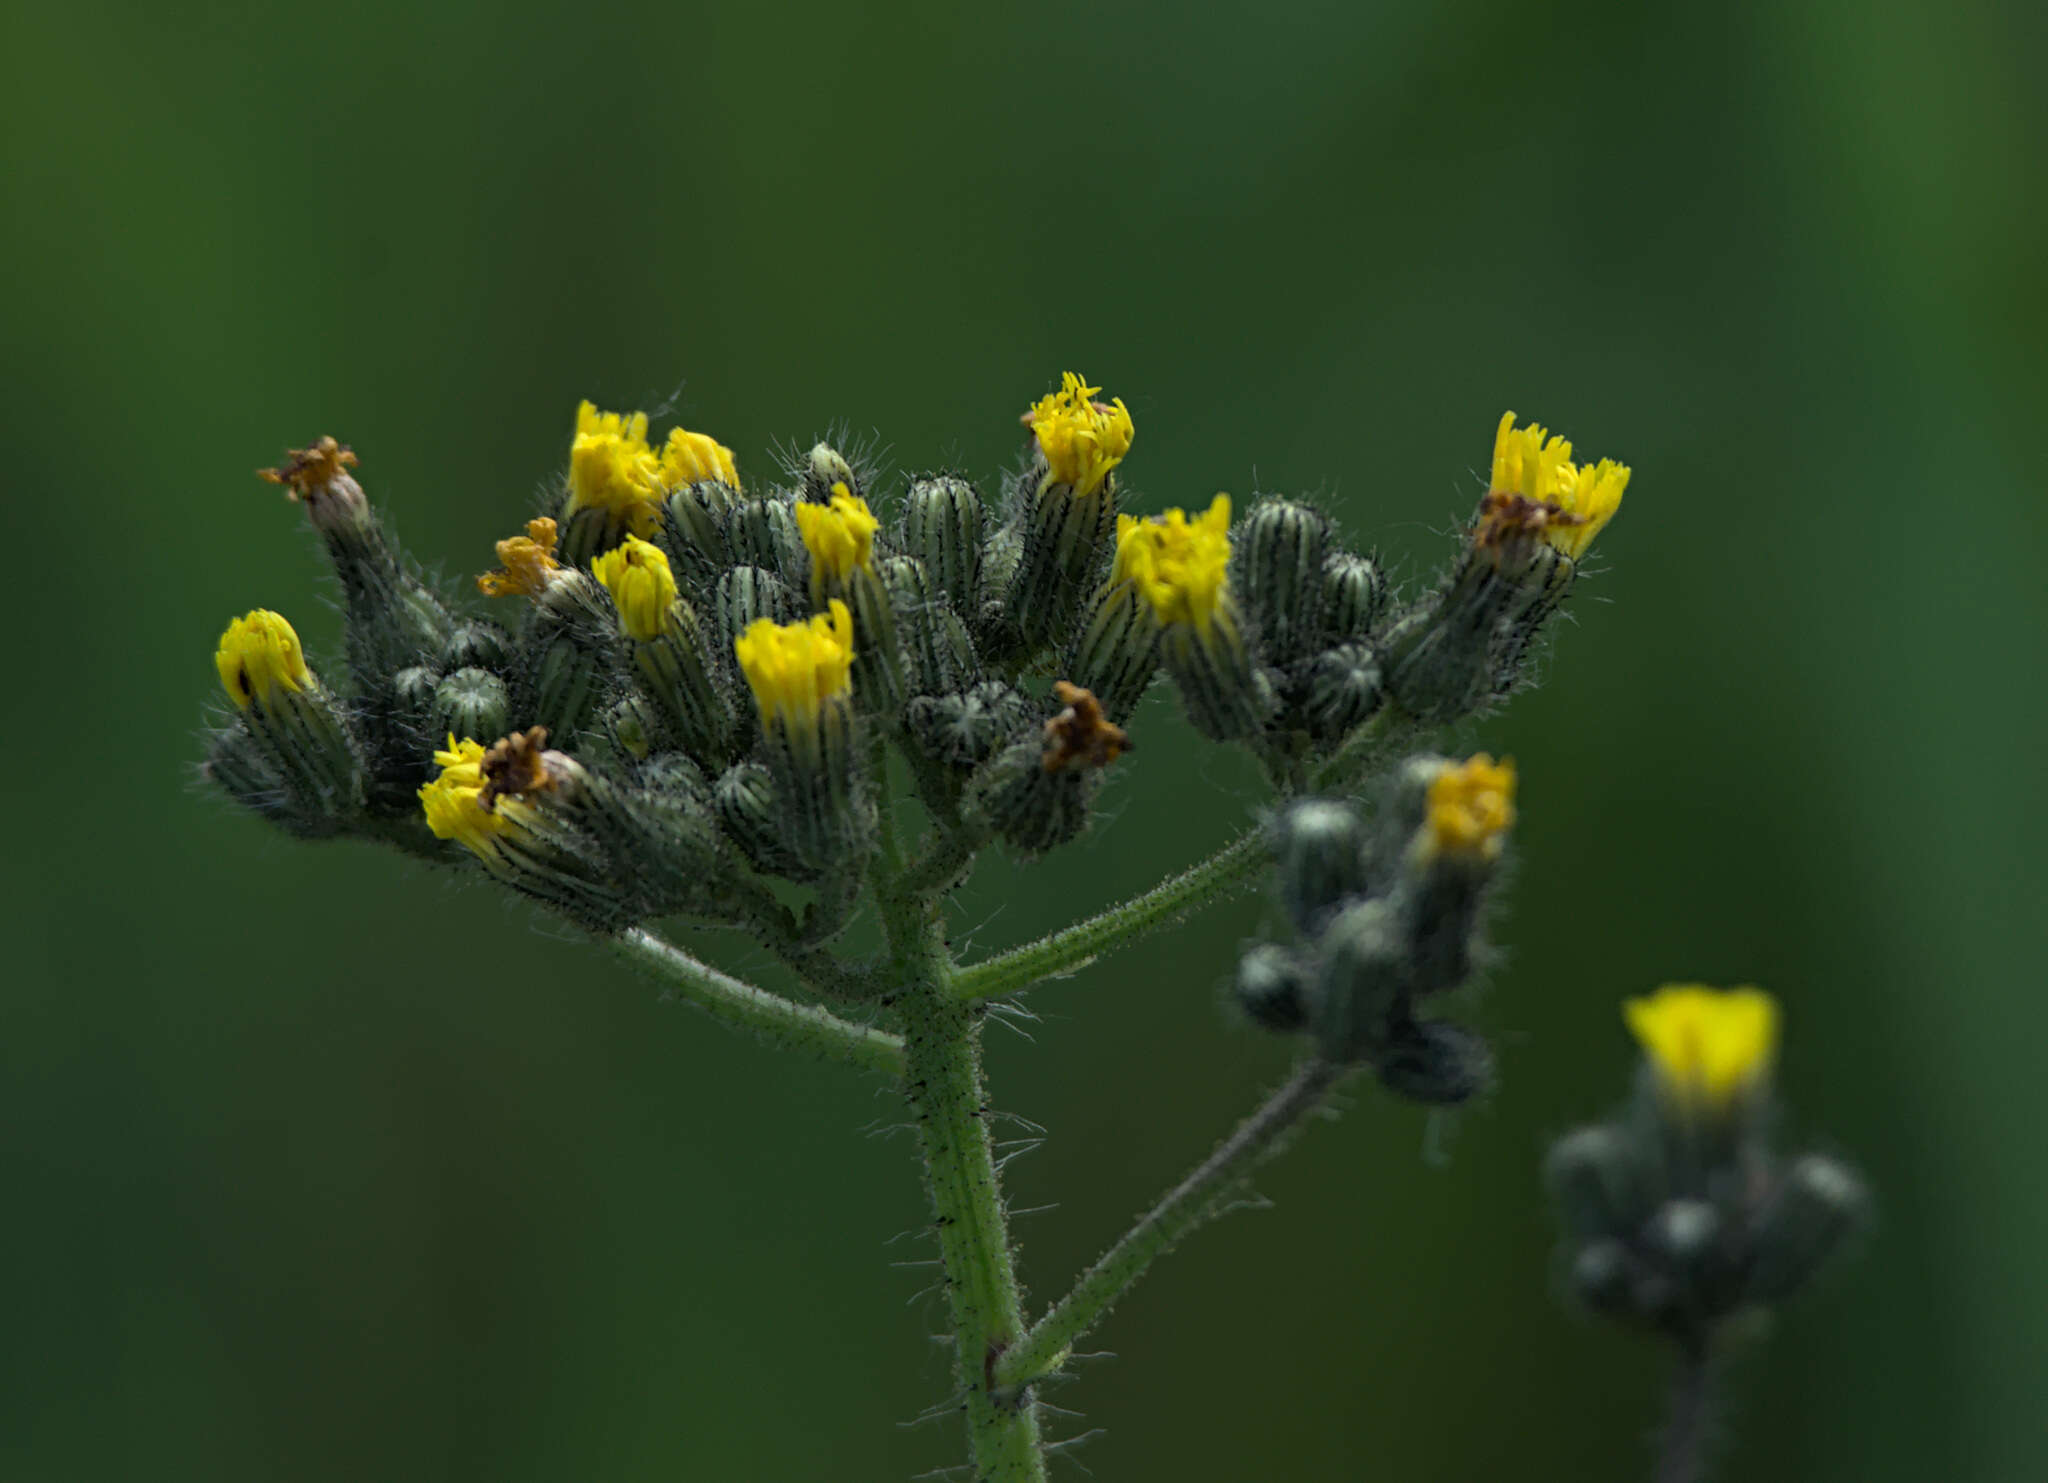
{"type": "Point", "coordinates": [1188, 1204]}
{"type": "Point", "coordinates": [1067, 950]}
{"type": "Point", "coordinates": [795, 1026]}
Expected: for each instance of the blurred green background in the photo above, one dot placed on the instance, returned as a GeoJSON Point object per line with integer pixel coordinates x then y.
{"type": "Point", "coordinates": [319, 1166]}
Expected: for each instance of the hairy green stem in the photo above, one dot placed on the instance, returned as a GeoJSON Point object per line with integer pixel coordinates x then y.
{"type": "Point", "coordinates": [1188, 1204]}
{"type": "Point", "coordinates": [1682, 1449]}
{"type": "Point", "coordinates": [1067, 950]}
{"type": "Point", "coordinates": [801, 1027]}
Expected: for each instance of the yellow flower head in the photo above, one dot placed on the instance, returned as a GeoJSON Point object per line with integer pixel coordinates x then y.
{"type": "Point", "coordinates": [525, 563]}
{"type": "Point", "coordinates": [1709, 1047]}
{"type": "Point", "coordinates": [840, 536]}
{"type": "Point", "coordinates": [259, 655]}
{"type": "Point", "coordinates": [1471, 806]}
{"type": "Point", "coordinates": [641, 585]}
{"type": "Point", "coordinates": [692, 458]}
{"type": "Point", "coordinates": [795, 669]}
{"type": "Point", "coordinates": [1179, 566]}
{"type": "Point", "coordinates": [453, 802]}
{"type": "Point", "coordinates": [611, 467]}
{"type": "Point", "coordinates": [1572, 502]}
{"type": "Point", "coordinates": [1082, 439]}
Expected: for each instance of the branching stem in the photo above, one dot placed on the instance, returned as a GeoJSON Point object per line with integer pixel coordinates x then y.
{"type": "Point", "coordinates": [800, 1027]}
{"type": "Point", "coordinates": [1188, 1204]}
{"type": "Point", "coordinates": [1064, 951]}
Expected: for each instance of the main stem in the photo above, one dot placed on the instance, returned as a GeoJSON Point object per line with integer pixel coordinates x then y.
{"type": "Point", "coordinates": [942, 1050]}
{"type": "Point", "coordinates": [1682, 1449]}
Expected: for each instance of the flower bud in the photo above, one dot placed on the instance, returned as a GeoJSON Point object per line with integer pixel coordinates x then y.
{"type": "Point", "coordinates": [945, 525]}
{"type": "Point", "coordinates": [569, 654]}
{"type": "Point", "coordinates": [1278, 569]}
{"type": "Point", "coordinates": [1596, 1178]}
{"type": "Point", "coordinates": [1272, 989]}
{"type": "Point", "coordinates": [635, 729]}
{"type": "Point", "coordinates": [1066, 509]}
{"type": "Point", "coordinates": [965, 729]}
{"type": "Point", "coordinates": [471, 702]}
{"type": "Point", "coordinates": [826, 472]}
{"type": "Point", "coordinates": [1036, 793]}
{"type": "Point", "coordinates": [296, 725]}
{"type": "Point", "coordinates": [1709, 1052]}
{"type": "Point", "coordinates": [802, 678]}
{"type": "Point", "coordinates": [533, 850]}
{"type": "Point", "coordinates": [413, 693]}
{"type": "Point", "coordinates": [1434, 1062]}
{"type": "Point", "coordinates": [1450, 862]}
{"type": "Point", "coordinates": [1354, 593]}
{"type": "Point", "coordinates": [694, 532]}
{"type": "Point", "coordinates": [393, 619]}
{"type": "Point", "coordinates": [1816, 1206]}
{"type": "Point", "coordinates": [1179, 568]}
{"type": "Point", "coordinates": [1683, 1234]}
{"type": "Point", "coordinates": [938, 652]}
{"type": "Point", "coordinates": [763, 532]}
{"type": "Point", "coordinates": [747, 595]}
{"type": "Point", "coordinates": [1344, 691]}
{"type": "Point", "coordinates": [1603, 1277]}
{"type": "Point", "coordinates": [744, 802]}
{"type": "Point", "coordinates": [839, 540]}
{"type": "Point", "coordinates": [1360, 977]}
{"type": "Point", "coordinates": [614, 485]}
{"type": "Point", "coordinates": [1319, 857]}
{"type": "Point", "coordinates": [668, 648]}
{"type": "Point", "coordinates": [478, 645]}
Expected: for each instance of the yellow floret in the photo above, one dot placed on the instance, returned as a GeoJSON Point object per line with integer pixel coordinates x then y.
{"type": "Point", "coordinates": [1709, 1047]}
{"type": "Point", "coordinates": [1529, 462]}
{"type": "Point", "coordinates": [1181, 567]}
{"type": "Point", "coordinates": [524, 563]}
{"type": "Point", "coordinates": [259, 655]}
{"type": "Point", "coordinates": [1082, 439]}
{"type": "Point", "coordinates": [1471, 808]}
{"type": "Point", "coordinates": [453, 801]}
{"type": "Point", "coordinates": [642, 587]}
{"type": "Point", "coordinates": [796, 669]}
{"type": "Point", "coordinates": [840, 536]}
{"type": "Point", "coordinates": [692, 458]}
{"type": "Point", "coordinates": [612, 468]}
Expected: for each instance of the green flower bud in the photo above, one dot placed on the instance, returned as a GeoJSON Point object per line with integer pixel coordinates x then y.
{"type": "Point", "coordinates": [1354, 592]}
{"type": "Point", "coordinates": [1683, 1234]}
{"type": "Point", "coordinates": [1272, 989]}
{"type": "Point", "coordinates": [965, 729]}
{"type": "Point", "coordinates": [945, 527]}
{"type": "Point", "coordinates": [478, 645]}
{"type": "Point", "coordinates": [1816, 1206]}
{"type": "Point", "coordinates": [827, 472]}
{"type": "Point", "coordinates": [471, 702]}
{"type": "Point", "coordinates": [1319, 855]}
{"type": "Point", "coordinates": [1598, 1182]}
{"type": "Point", "coordinates": [1277, 567]}
{"type": "Point", "coordinates": [569, 658]}
{"type": "Point", "coordinates": [413, 692]}
{"type": "Point", "coordinates": [1435, 1062]}
{"type": "Point", "coordinates": [1344, 691]}
{"type": "Point", "coordinates": [1603, 1277]}
{"type": "Point", "coordinates": [1033, 810]}
{"type": "Point", "coordinates": [747, 595]}
{"type": "Point", "coordinates": [743, 801]}
{"type": "Point", "coordinates": [237, 764]}
{"type": "Point", "coordinates": [634, 727]}
{"type": "Point", "coordinates": [938, 652]}
{"type": "Point", "coordinates": [693, 530]}
{"type": "Point", "coordinates": [1117, 653]}
{"type": "Point", "coordinates": [763, 533]}
{"type": "Point", "coordinates": [1360, 978]}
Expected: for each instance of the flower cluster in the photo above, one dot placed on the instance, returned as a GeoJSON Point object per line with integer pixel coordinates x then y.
{"type": "Point", "coordinates": [1679, 1215]}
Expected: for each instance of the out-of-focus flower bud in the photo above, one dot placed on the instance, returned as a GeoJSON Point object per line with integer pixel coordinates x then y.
{"type": "Point", "coordinates": [1319, 858]}
{"type": "Point", "coordinates": [1272, 989]}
